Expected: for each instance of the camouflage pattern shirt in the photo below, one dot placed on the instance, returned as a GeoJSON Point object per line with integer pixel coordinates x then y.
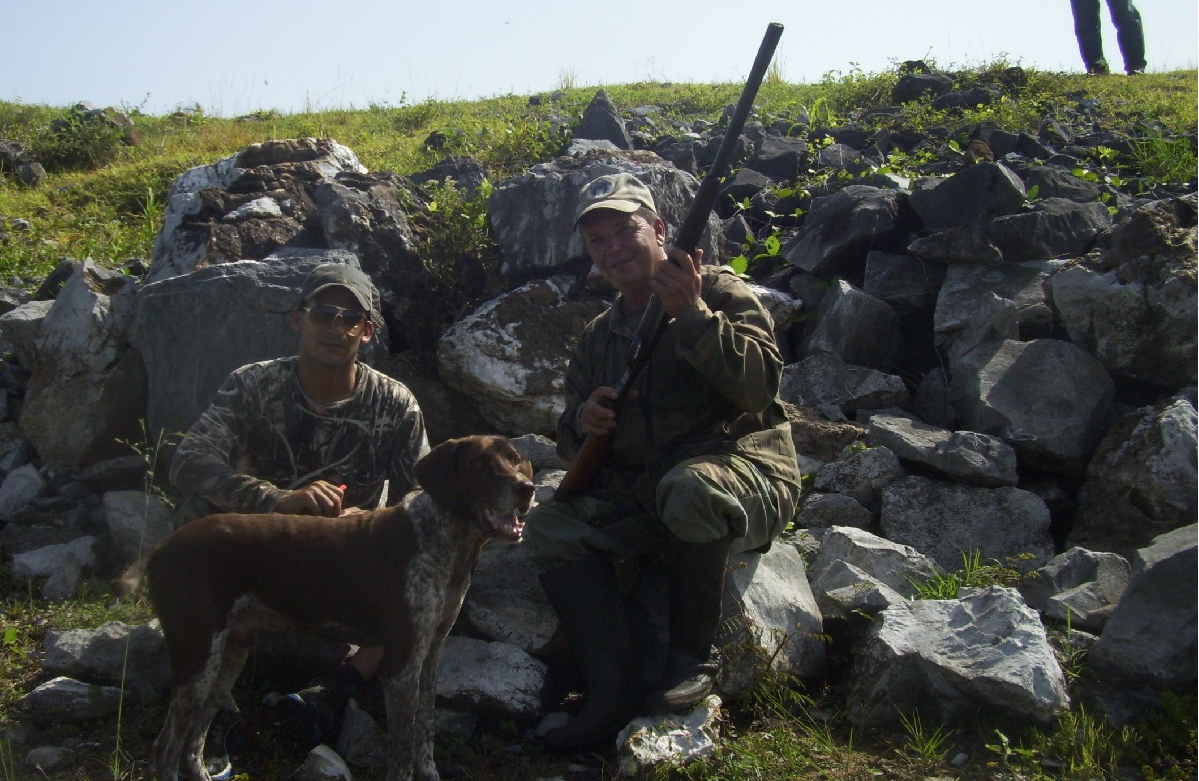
{"type": "Point", "coordinates": [261, 438]}
{"type": "Point", "coordinates": [711, 387]}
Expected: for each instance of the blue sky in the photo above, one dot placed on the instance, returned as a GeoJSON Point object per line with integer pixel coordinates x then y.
{"type": "Point", "coordinates": [231, 57]}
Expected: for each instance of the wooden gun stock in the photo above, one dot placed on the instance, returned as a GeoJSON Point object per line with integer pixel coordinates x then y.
{"type": "Point", "coordinates": [595, 448]}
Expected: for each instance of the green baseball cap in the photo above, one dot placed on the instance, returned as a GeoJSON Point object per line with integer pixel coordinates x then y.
{"type": "Point", "coordinates": [621, 192]}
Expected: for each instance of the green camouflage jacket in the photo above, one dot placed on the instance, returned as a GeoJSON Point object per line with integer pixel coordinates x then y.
{"type": "Point", "coordinates": [711, 386]}
{"type": "Point", "coordinates": [260, 438]}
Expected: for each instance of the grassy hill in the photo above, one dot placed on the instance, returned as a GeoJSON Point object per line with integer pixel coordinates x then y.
{"type": "Point", "coordinates": [104, 199]}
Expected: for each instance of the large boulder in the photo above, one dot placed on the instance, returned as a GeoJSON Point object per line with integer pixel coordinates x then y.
{"type": "Point", "coordinates": [1151, 635]}
{"type": "Point", "coordinates": [946, 521]}
{"type": "Point", "coordinates": [1141, 481]}
{"type": "Point", "coordinates": [510, 354]}
{"type": "Point", "coordinates": [88, 389]}
{"type": "Point", "coordinates": [1135, 307]}
{"type": "Point", "coordinates": [1046, 398]}
{"type": "Point", "coordinates": [203, 224]}
{"type": "Point", "coordinates": [193, 329]}
{"type": "Point", "coordinates": [841, 229]}
{"type": "Point", "coordinates": [533, 215]}
{"type": "Point", "coordinates": [948, 659]}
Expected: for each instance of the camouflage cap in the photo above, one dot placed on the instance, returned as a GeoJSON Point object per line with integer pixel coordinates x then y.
{"type": "Point", "coordinates": [621, 192]}
{"type": "Point", "coordinates": [329, 275]}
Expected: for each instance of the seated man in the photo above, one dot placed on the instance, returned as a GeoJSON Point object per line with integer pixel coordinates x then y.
{"type": "Point", "coordinates": [314, 434]}
{"type": "Point", "coordinates": [701, 462]}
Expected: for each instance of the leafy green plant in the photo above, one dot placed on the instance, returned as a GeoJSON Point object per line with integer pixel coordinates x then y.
{"type": "Point", "coordinates": [928, 746]}
{"type": "Point", "coordinates": [975, 573]}
{"type": "Point", "coordinates": [78, 141]}
{"type": "Point", "coordinates": [1168, 159]}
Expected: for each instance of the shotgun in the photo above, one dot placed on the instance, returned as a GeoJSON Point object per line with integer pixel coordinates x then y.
{"type": "Point", "coordinates": [653, 323]}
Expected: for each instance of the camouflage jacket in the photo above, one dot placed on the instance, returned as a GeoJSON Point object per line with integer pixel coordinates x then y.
{"type": "Point", "coordinates": [260, 438]}
{"type": "Point", "coordinates": [711, 387]}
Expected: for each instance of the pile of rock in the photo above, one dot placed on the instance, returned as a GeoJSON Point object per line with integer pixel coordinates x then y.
{"type": "Point", "coordinates": [972, 371]}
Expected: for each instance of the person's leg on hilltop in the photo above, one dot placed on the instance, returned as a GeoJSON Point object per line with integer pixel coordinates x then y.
{"type": "Point", "coordinates": [1130, 34]}
{"type": "Point", "coordinates": [1089, 34]}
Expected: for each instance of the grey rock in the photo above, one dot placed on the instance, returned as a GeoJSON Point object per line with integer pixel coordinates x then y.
{"type": "Point", "coordinates": [1141, 481]}
{"type": "Point", "coordinates": [137, 522]}
{"type": "Point", "coordinates": [505, 601]}
{"type": "Point", "coordinates": [842, 589]}
{"type": "Point", "coordinates": [965, 456]}
{"type": "Point", "coordinates": [45, 562]}
{"type": "Point", "coordinates": [65, 700]}
{"type": "Point", "coordinates": [946, 520]}
{"type": "Point", "coordinates": [510, 354]}
{"type": "Point", "coordinates": [1135, 311]}
{"type": "Point", "coordinates": [116, 653]}
{"type": "Point", "coordinates": [675, 740]}
{"type": "Point", "coordinates": [87, 391]}
{"type": "Point", "coordinates": [1056, 228]}
{"type": "Point", "coordinates": [824, 510]}
{"type": "Point", "coordinates": [892, 564]}
{"type": "Point", "coordinates": [193, 329]}
{"type": "Point", "coordinates": [842, 228]}
{"type": "Point", "coordinates": [966, 287]}
{"type": "Point", "coordinates": [1151, 636]}
{"type": "Point", "coordinates": [824, 380]}
{"type": "Point", "coordinates": [533, 215]}
{"type": "Point", "coordinates": [1046, 398]}
{"type": "Point", "coordinates": [20, 487]}
{"type": "Point", "coordinates": [982, 190]}
{"type": "Point", "coordinates": [50, 759]}
{"type": "Point", "coordinates": [862, 475]}
{"type": "Point", "coordinates": [494, 677]}
{"type": "Point", "coordinates": [950, 658]}
{"type": "Point", "coordinates": [1078, 587]}
{"type": "Point", "coordinates": [908, 284]}
{"type": "Point", "coordinates": [859, 328]}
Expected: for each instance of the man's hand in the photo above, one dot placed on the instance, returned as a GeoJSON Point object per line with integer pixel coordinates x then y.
{"type": "Point", "coordinates": [596, 415]}
{"type": "Point", "coordinates": [677, 282]}
{"type": "Point", "coordinates": [319, 498]}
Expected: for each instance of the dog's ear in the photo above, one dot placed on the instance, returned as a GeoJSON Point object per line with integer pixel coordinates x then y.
{"type": "Point", "coordinates": [435, 473]}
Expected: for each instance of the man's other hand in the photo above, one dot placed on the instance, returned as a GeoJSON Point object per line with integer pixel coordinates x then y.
{"type": "Point", "coordinates": [319, 498]}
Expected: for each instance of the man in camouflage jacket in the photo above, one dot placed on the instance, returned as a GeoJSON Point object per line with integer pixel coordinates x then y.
{"type": "Point", "coordinates": [701, 462]}
{"type": "Point", "coordinates": [315, 434]}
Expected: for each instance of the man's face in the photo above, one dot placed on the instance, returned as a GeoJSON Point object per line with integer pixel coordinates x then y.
{"type": "Point", "coordinates": [626, 249]}
{"type": "Point", "coordinates": [331, 337]}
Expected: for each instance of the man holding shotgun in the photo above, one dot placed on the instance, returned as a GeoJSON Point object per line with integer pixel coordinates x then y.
{"type": "Point", "coordinates": [700, 465]}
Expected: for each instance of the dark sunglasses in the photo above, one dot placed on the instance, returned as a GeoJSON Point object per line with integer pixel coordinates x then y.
{"type": "Point", "coordinates": [324, 315]}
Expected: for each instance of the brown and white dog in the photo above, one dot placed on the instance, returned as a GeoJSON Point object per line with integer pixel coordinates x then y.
{"type": "Point", "coordinates": [394, 577]}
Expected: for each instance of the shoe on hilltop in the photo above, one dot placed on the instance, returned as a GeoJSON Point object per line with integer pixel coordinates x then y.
{"type": "Point", "coordinates": [224, 738]}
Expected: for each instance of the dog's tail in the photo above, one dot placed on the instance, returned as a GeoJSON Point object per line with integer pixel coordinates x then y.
{"type": "Point", "coordinates": [132, 580]}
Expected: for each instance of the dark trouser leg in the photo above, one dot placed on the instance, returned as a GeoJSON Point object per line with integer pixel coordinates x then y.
{"type": "Point", "coordinates": [1130, 34]}
{"type": "Point", "coordinates": [1090, 38]}
{"type": "Point", "coordinates": [587, 598]}
{"type": "Point", "coordinates": [695, 573]}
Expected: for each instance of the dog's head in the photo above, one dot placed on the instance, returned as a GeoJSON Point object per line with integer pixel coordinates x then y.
{"type": "Point", "coordinates": [480, 478]}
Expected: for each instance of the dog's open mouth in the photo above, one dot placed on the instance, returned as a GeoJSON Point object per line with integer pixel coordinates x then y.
{"type": "Point", "coordinates": [508, 527]}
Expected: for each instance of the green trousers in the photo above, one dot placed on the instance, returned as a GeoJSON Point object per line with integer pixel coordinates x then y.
{"type": "Point", "coordinates": [699, 500]}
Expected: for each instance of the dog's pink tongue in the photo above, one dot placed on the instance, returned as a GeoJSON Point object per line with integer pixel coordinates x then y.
{"type": "Point", "coordinates": [509, 526]}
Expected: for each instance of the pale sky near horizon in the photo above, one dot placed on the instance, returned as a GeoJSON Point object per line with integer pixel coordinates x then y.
{"type": "Point", "coordinates": [231, 58]}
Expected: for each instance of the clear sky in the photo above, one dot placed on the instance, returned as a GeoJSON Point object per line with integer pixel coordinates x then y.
{"type": "Point", "coordinates": [231, 58]}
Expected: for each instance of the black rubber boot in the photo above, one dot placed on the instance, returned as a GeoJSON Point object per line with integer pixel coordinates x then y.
{"type": "Point", "coordinates": [314, 713]}
{"type": "Point", "coordinates": [695, 578]}
{"type": "Point", "coordinates": [587, 598]}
